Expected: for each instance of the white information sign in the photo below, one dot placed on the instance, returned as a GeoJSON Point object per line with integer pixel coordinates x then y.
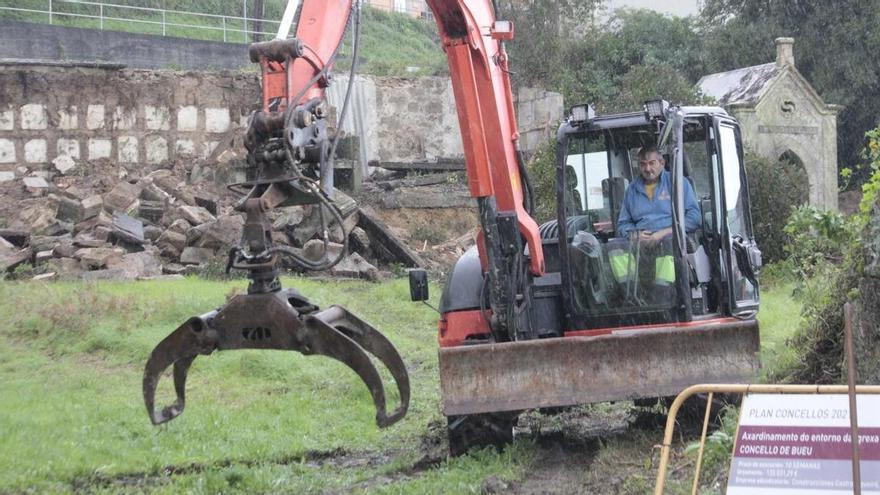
{"type": "Point", "coordinates": [790, 444]}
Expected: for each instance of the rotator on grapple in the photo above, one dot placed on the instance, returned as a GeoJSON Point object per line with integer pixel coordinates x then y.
{"type": "Point", "coordinates": [290, 152]}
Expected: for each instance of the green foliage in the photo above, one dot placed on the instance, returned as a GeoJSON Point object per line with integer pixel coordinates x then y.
{"type": "Point", "coordinates": [635, 55]}
{"type": "Point", "coordinates": [871, 155]}
{"type": "Point", "coordinates": [718, 446]}
{"type": "Point", "coordinates": [831, 253]}
{"type": "Point", "coordinates": [819, 237]}
{"type": "Point", "coordinates": [775, 188]}
{"type": "Point", "coordinates": [542, 172]}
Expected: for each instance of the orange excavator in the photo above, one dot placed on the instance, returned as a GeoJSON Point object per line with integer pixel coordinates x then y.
{"type": "Point", "coordinates": [568, 312]}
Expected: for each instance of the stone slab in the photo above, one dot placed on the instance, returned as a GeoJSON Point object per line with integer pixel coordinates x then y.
{"type": "Point", "coordinates": [196, 256]}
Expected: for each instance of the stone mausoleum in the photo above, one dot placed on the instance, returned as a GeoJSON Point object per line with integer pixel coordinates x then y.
{"type": "Point", "coordinates": [782, 117]}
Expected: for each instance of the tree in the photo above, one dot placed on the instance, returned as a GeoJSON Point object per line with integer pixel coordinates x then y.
{"type": "Point", "coordinates": [835, 47]}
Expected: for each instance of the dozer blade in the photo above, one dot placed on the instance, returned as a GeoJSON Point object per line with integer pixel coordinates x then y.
{"type": "Point", "coordinates": [283, 321]}
{"type": "Point", "coordinates": [630, 364]}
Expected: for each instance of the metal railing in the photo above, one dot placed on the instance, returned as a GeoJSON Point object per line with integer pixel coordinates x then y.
{"type": "Point", "coordinates": [164, 22]}
{"type": "Point", "coordinates": [170, 22]}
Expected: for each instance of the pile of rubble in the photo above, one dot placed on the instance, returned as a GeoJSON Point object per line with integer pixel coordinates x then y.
{"type": "Point", "coordinates": [90, 224]}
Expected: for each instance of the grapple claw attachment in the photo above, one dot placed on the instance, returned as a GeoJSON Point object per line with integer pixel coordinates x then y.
{"type": "Point", "coordinates": [282, 320]}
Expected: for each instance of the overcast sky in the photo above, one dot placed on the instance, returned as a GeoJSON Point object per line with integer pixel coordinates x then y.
{"type": "Point", "coordinates": [674, 7]}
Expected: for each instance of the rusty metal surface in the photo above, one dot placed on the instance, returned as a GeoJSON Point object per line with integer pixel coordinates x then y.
{"type": "Point", "coordinates": [272, 321]}
{"type": "Point", "coordinates": [579, 370]}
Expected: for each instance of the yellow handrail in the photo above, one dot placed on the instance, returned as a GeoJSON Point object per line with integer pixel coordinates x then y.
{"type": "Point", "coordinates": [738, 388]}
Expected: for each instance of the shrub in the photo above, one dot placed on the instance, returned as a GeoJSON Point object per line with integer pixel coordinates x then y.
{"type": "Point", "coordinates": [542, 172]}
{"type": "Point", "coordinates": [775, 187]}
{"type": "Point", "coordinates": [854, 242]}
{"type": "Point", "coordinates": [817, 237]}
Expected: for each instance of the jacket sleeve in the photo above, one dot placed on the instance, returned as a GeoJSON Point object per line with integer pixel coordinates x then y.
{"type": "Point", "coordinates": [625, 222]}
{"type": "Point", "coordinates": [692, 218]}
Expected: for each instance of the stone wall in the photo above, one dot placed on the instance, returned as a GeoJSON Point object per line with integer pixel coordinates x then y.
{"type": "Point", "coordinates": [148, 118]}
{"type": "Point", "coordinates": [414, 120]}
{"type": "Point", "coordinates": [130, 117]}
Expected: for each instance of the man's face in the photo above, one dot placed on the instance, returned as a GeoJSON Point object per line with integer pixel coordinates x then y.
{"type": "Point", "coordinates": [650, 166]}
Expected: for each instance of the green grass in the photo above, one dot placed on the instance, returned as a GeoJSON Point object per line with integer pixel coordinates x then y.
{"type": "Point", "coordinates": [72, 415]}
{"type": "Point", "coordinates": [779, 317]}
{"type": "Point", "coordinates": [71, 359]}
{"type": "Point", "coordinates": [392, 44]}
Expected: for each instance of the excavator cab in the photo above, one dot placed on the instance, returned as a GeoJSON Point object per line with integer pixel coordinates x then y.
{"type": "Point", "coordinates": [612, 318]}
{"type": "Point", "coordinates": [704, 269]}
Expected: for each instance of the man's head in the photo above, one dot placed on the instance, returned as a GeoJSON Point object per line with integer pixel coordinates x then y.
{"type": "Point", "coordinates": [651, 163]}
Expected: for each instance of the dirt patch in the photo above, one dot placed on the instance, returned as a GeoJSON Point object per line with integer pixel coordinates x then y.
{"type": "Point", "coordinates": [439, 235]}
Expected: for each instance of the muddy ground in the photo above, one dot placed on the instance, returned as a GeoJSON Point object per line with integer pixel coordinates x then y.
{"type": "Point", "coordinates": [602, 449]}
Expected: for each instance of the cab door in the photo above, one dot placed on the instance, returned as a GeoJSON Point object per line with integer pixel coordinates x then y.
{"type": "Point", "coordinates": [740, 256]}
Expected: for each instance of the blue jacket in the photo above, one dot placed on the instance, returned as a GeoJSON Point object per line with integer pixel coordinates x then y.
{"type": "Point", "coordinates": [640, 213]}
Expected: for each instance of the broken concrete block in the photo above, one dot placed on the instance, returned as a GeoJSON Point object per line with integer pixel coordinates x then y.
{"type": "Point", "coordinates": [69, 210]}
{"type": "Point", "coordinates": [57, 227]}
{"type": "Point", "coordinates": [151, 210]}
{"type": "Point", "coordinates": [180, 226]}
{"type": "Point", "coordinates": [74, 192]}
{"type": "Point", "coordinates": [92, 258]}
{"type": "Point", "coordinates": [65, 267]}
{"type": "Point", "coordinates": [152, 192]}
{"type": "Point", "coordinates": [63, 164]}
{"type": "Point", "coordinates": [42, 257]}
{"type": "Point", "coordinates": [121, 198]}
{"type": "Point", "coordinates": [196, 256]}
{"type": "Point", "coordinates": [7, 176]}
{"type": "Point", "coordinates": [196, 215]}
{"type": "Point", "coordinates": [128, 229]}
{"type": "Point", "coordinates": [84, 240]}
{"type": "Point", "coordinates": [45, 276]}
{"type": "Point", "coordinates": [64, 250]}
{"type": "Point", "coordinates": [314, 250]}
{"type": "Point", "coordinates": [288, 217]}
{"type": "Point", "coordinates": [171, 243]}
{"type": "Point", "coordinates": [91, 206]}
{"type": "Point", "coordinates": [355, 266]}
{"type": "Point", "coordinates": [11, 259]}
{"type": "Point", "coordinates": [359, 241]}
{"type": "Point", "coordinates": [35, 183]}
{"type": "Point", "coordinates": [102, 218]}
{"type": "Point", "coordinates": [103, 233]}
{"type": "Point", "coordinates": [137, 265]}
{"type": "Point", "coordinates": [206, 202]}
{"type": "Point", "coordinates": [151, 232]}
{"type": "Point", "coordinates": [37, 217]}
{"type": "Point", "coordinates": [221, 234]}
{"type": "Point", "coordinates": [47, 243]}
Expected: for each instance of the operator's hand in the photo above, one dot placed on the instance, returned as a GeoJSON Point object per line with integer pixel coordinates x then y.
{"type": "Point", "coordinates": [650, 239]}
{"type": "Point", "coordinates": [647, 238]}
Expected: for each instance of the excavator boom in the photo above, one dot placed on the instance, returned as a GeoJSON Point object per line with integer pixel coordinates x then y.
{"type": "Point", "coordinates": [290, 158]}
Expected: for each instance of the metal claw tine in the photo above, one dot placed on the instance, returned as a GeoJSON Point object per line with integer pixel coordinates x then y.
{"type": "Point", "coordinates": [379, 346]}
{"type": "Point", "coordinates": [179, 348]}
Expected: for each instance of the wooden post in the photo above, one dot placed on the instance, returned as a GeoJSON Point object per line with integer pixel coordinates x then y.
{"type": "Point", "coordinates": [853, 408]}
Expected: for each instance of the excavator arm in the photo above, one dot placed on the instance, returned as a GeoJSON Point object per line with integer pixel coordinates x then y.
{"type": "Point", "coordinates": [478, 66]}
{"type": "Point", "coordinates": [290, 158]}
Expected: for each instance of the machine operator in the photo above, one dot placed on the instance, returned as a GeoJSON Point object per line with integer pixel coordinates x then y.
{"type": "Point", "coordinates": [645, 221]}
